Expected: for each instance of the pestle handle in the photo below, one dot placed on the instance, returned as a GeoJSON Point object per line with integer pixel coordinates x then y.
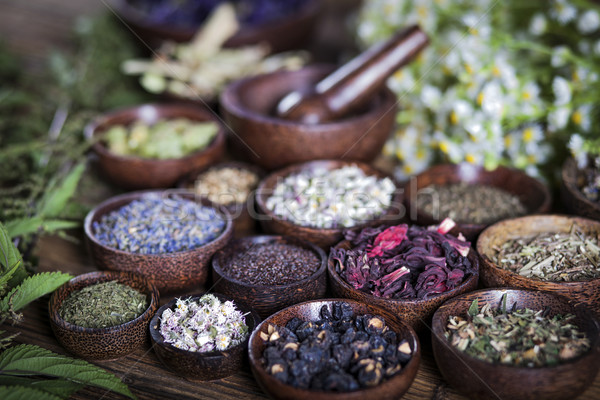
{"type": "Point", "coordinates": [353, 84]}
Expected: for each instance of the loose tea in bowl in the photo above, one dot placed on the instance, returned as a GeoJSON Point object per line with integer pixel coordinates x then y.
{"type": "Point", "coordinates": [226, 185]}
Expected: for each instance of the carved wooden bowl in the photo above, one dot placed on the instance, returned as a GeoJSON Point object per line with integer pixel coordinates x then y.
{"type": "Point", "coordinates": [478, 379]}
{"type": "Point", "coordinates": [322, 237]}
{"type": "Point", "coordinates": [534, 195]}
{"type": "Point", "coordinates": [273, 142]}
{"type": "Point", "coordinates": [103, 343]}
{"type": "Point", "coordinates": [415, 312]}
{"type": "Point", "coordinates": [132, 172]}
{"type": "Point", "coordinates": [196, 366]}
{"type": "Point", "coordinates": [241, 213]}
{"type": "Point", "coordinates": [393, 388]}
{"type": "Point", "coordinates": [268, 299]}
{"type": "Point", "coordinates": [575, 202]}
{"type": "Point", "coordinates": [169, 271]}
{"type": "Point", "coordinates": [492, 275]}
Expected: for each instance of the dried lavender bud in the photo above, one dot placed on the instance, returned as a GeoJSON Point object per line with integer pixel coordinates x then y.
{"type": "Point", "coordinates": [272, 264]}
{"type": "Point", "coordinates": [463, 202]}
{"type": "Point", "coordinates": [157, 225]}
{"type": "Point", "coordinates": [331, 354]}
{"type": "Point", "coordinates": [323, 198]}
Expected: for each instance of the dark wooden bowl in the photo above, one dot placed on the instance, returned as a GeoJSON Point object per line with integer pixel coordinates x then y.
{"type": "Point", "coordinates": [482, 380]}
{"type": "Point", "coordinates": [170, 271]}
{"type": "Point", "coordinates": [323, 238]}
{"type": "Point", "coordinates": [268, 299]}
{"type": "Point", "coordinates": [283, 34]}
{"type": "Point", "coordinates": [393, 388]}
{"type": "Point", "coordinates": [273, 142]}
{"type": "Point", "coordinates": [103, 343]}
{"type": "Point", "coordinates": [534, 195]}
{"type": "Point", "coordinates": [417, 312]}
{"type": "Point", "coordinates": [575, 202]}
{"type": "Point", "coordinates": [587, 292]}
{"type": "Point", "coordinates": [132, 172]}
{"type": "Point", "coordinates": [197, 366]}
{"type": "Point", "coordinates": [241, 213]}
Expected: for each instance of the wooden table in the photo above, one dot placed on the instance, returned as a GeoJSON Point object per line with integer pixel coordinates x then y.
{"type": "Point", "coordinates": [32, 28]}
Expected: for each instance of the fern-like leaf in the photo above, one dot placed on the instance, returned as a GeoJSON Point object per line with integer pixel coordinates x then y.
{"type": "Point", "coordinates": [58, 195]}
{"type": "Point", "coordinates": [30, 360]}
{"type": "Point", "coordinates": [57, 387]}
{"type": "Point", "coordinates": [9, 257]}
{"type": "Point", "coordinates": [25, 393]}
{"type": "Point", "coordinates": [31, 289]}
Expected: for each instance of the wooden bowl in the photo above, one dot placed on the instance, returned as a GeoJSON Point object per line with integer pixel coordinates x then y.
{"type": "Point", "coordinates": [133, 172]}
{"type": "Point", "coordinates": [393, 388]}
{"type": "Point", "coordinates": [575, 202]}
{"type": "Point", "coordinates": [273, 142]}
{"type": "Point", "coordinates": [103, 343]}
{"type": "Point", "coordinates": [169, 271]}
{"type": "Point", "coordinates": [241, 213]}
{"type": "Point", "coordinates": [268, 299]}
{"type": "Point", "coordinates": [587, 292]}
{"type": "Point", "coordinates": [322, 237]}
{"type": "Point", "coordinates": [415, 312]}
{"type": "Point", "coordinates": [532, 193]}
{"type": "Point", "coordinates": [197, 366]}
{"type": "Point", "coordinates": [482, 380]}
{"type": "Point", "coordinates": [290, 32]}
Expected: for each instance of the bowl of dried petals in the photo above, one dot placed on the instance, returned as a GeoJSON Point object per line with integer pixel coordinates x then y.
{"type": "Point", "coordinates": [407, 270]}
{"type": "Point", "coordinates": [202, 337]}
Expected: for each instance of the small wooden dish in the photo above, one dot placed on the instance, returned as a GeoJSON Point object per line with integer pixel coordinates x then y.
{"type": "Point", "coordinates": [132, 172]}
{"type": "Point", "coordinates": [575, 202]}
{"type": "Point", "coordinates": [415, 312]}
{"type": "Point", "coordinates": [170, 271]}
{"type": "Point", "coordinates": [322, 237]}
{"type": "Point", "coordinates": [267, 300]}
{"type": "Point", "coordinates": [103, 343]}
{"type": "Point", "coordinates": [393, 388]}
{"type": "Point", "coordinates": [283, 34]}
{"type": "Point", "coordinates": [241, 213]}
{"type": "Point", "coordinates": [197, 366]}
{"type": "Point", "coordinates": [272, 142]}
{"type": "Point", "coordinates": [492, 275]}
{"type": "Point", "coordinates": [532, 193]}
{"type": "Point", "coordinates": [478, 379]}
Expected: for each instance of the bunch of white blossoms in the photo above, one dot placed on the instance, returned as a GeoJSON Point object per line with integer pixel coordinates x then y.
{"type": "Point", "coordinates": [489, 90]}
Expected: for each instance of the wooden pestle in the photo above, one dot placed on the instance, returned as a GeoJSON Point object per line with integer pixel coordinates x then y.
{"type": "Point", "coordinates": [353, 84]}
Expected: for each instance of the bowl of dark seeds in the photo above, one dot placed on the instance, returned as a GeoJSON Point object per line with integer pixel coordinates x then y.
{"type": "Point", "coordinates": [103, 315]}
{"type": "Point", "coordinates": [555, 253]}
{"type": "Point", "coordinates": [516, 344]}
{"type": "Point", "coordinates": [168, 237]}
{"type": "Point", "coordinates": [334, 349]}
{"type": "Point", "coordinates": [580, 188]}
{"type": "Point", "coordinates": [473, 197]}
{"type": "Point", "coordinates": [270, 273]}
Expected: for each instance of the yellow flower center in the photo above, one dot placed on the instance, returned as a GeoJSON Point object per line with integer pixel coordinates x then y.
{"type": "Point", "coordinates": [528, 135]}
{"type": "Point", "coordinates": [420, 154]}
{"type": "Point", "coordinates": [577, 117]}
{"type": "Point", "coordinates": [473, 31]}
{"type": "Point", "coordinates": [422, 11]}
{"type": "Point", "coordinates": [469, 68]}
{"type": "Point", "coordinates": [480, 98]}
{"type": "Point", "coordinates": [526, 95]}
{"type": "Point", "coordinates": [399, 155]}
{"type": "Point", "coordinates": [407, 169]}
{"type": "Point", "coordinates": [398, 74]}
{"type": "Point", "coordinates": [496, 71]}
{"type": "Point", "coordinates": [444, 147]}
{"type": "Point", "coordinates": [507, 141]}
{"type": "Point", "coordinates": [531, 159]}
{"type": "Point", "coordinates": [470, 158]}
{"type": "Point", "coordinates": [453, 118]}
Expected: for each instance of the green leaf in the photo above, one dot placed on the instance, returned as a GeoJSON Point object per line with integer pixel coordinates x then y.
{"type": "Point", "coordinates": [25, 393]}
{"type": "Point", "coordinates": [58, 387]}
{"type": "Point", "coordinates": [474, 308]}
{"type": "Point", "coordinates": [33, 288]}
{"type": "Point", "coordinates": [30, 360]}
{"type": "Point", "coordinates": [504, 303]}
{"type": "Point", "coordinates": [23, 226]}
{"type": "Point", "coordinates": [9, 257]}
{"type": "Point", "coordinates": [58, 196]}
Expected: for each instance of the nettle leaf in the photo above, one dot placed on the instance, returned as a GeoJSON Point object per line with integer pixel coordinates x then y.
{"type": "Point", "coordinates": [474, 308]}
{"type": "Point", "coordinates": [57, 387]}
{"type": "Point", "coordinates": [10, 259]}
{"type": "Point", "coordinates": [58, 195]}
{"type": "Point", "coordinates": [32, 288]}
{"type": "Point", "coordinates": [30, 360]}
{"type": "Point", "coordinates": [25, 393]}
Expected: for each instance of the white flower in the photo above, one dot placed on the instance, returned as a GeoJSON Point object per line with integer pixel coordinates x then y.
{"type": "Point", "coordinates": [588, 22]}
{"type": "Point", "coordinates": [558, 118]}
{"type": "Point", "coordinates": [492, 102]}
{"type": "Point", "coordinates": [562, 91]}
{"type": "Point", "coordinates": [582, 117]}
{"type": "Point", "coordinates": [538, 24]}
{"type": "Point", "coordinates": [431, 96]}
{"type": "Point", "coordinates": [559, 56]}
{"type": "Point", "coordinates": [533, 134]}
{"type": "Point", "coordinates": [222, 342]}
{"type": "Point", "coordinates": [576, 146]}
{"type": "Point", "coordinates": [563, 11]}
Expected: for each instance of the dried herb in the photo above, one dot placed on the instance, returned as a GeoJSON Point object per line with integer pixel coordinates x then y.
{"type": "Point", "coordinates": [103, 305]}
{"type": "Point", "coordinates": [402, 262]}
{"type": "Point", "coordinates": [463, 202]}
{"type": "Point", "coordinates": [552, 256]}
{"type": "Point", "coordinates": [518, 337]}
{"type": "Point", "coordinates": [340, 352]}
{"type": "Point", "coordinates": [226, 185]}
